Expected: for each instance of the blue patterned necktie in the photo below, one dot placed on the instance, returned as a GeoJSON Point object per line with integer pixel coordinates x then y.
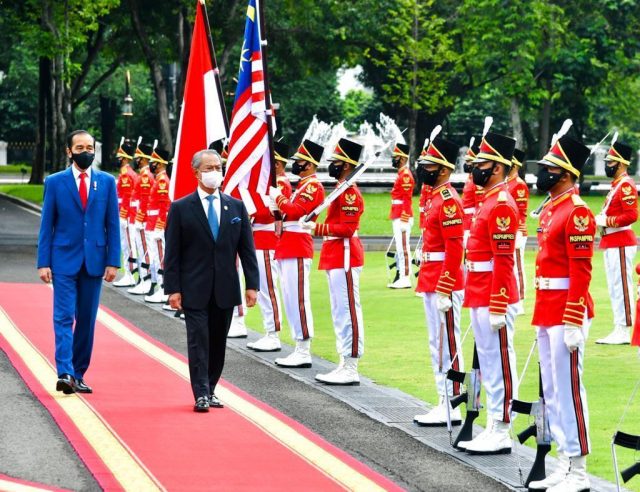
{"type": "Point", "coordinates": [212, 217]}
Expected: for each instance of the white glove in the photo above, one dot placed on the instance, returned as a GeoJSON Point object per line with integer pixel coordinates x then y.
{"type": "Point", "coordinates": [309, 226]}
{"type": "Point", "coordinates": [497, 321]}
{"type": "Point", "coordinates": [443, 303]}
{"type": "Point", "coordinates": [465, 238]}
{"type": "Point", "coordinates": [573, 337]}
{"type": "Point", "coordinates": [124, 222]}
{"type": "Point", "coordinates": [273, 207]}
{"type": "Point", "coordinates": [601, 220]}
{"type": "Point", "coordinates": [139, 225]}
{"type": "Point", "coordinates": [274, 192]}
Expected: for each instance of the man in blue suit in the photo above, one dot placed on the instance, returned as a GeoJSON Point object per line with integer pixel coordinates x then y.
{"type": "Point", "coordinates": [78, 246]}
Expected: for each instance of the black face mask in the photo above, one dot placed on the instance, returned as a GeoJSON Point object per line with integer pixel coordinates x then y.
{"type": "Point", "coordinates": [611, 171]}
{"type": "Point", "coordinates": [547, 180]}
{"type": "Point", "coordinates": [83, 159]}
{"type": "Point", "coordinates": [428, 178]}
{"type": "Point", "coordinates": [153, 167]}
{"type": "Point", "coordinates": [481, 176]}
{"type": "Point", "coordinates": [297, 168]}
{"type": "Point", "coordinates": [334, 170]}
{"type": "Point", "coordinates": [467, 167]}
{"type": "Point", "coordinates": [395, 162]}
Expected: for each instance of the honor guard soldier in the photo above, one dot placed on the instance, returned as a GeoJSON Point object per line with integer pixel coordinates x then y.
{"type": "Point", "coordinates": [402, 215]}
{"type": "Point", "coordinates": [159, 203]}
{"type": "Point", "coordinates": [520, 193]}
{"type": "Point", "coordinates": [294, 250]}
{"type": "Point", "coordinates": [441, 280]}
{"type": "Point", "coordinates": [491, 291]}
{"type": "Point", "coordinates": [471, 194]}
{"type": "Point", "coordinates": [619, 213]}
{"type": "Point", "coordinates": [126, 182]}
{"type": "Point", "coordinates": [342, 257]}
{"type": "Point", "coordinates": [265, 238]}
{"type": "Point", "coordinates": [140, 198]}
{"type": "Point", "coordinates": [563, 311]}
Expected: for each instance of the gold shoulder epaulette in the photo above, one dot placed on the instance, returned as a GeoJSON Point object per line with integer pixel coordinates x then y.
{"type": "Point", "coordinates": [502, 196]}
{"type": "Point", "coordinates": [446, 194]}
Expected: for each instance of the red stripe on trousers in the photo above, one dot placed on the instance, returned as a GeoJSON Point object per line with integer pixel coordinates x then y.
{"type": "Point", "coordinates": [272, 292]}
{"type": "Point", "coordinates": [506, 373]}
{"type": "Point", "coordinates": [144, 247]}
{"type": "Point", "coordinates": [405, 246]}
{"type": "Point", "coordinates": [520, 273]}
{"type": "Point", "coordinates": [303, 313]}
{"type": "Point", "coordinates": [453, 349]}
{"type": "Point", "coordinates": [625, 288]}
{"type": "Point", "coordinates": [353, 314]}
{"type": "Point", "coordinates": [577, 403]}
{"type": "Point", "coordinates": [160, 253]}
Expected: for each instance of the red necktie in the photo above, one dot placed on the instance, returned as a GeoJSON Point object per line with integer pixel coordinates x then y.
{"type": "Point", "coordinates": [83, 190]}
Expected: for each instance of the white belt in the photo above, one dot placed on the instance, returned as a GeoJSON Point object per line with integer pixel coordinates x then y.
{"type": "Point", "coordinates": [135, 203]}
{"type": "Point", "coordinates": [119, 201]}
{"type": "Point", "coordinates": [558, 283]}
{"type": "Point", "coordinates": [470, 210]}
{"type": "Point", "coordinates": [479, 266]}
{"type": "Point", "coordinates": [433, 256]}
{"type": "Point", "coordinates": [293, 226]}
{"type": "Point", "coordinates": [332, 238]}
{"type": "Point", "coordinates": [397, 202]}
{"type": "Point", "coordinates": [611, 230]}
{"type": "Point", "coordinates": [265, 227]}
{"type": "Point", "coordinates": [153, 213]}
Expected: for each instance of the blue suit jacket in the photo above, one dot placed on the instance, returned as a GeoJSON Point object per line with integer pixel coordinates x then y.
{"type": "Point", "coordinates": [71, 236]}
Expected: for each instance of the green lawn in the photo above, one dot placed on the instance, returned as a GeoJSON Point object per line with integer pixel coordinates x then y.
{"type": "Point", "coordinates": [15, 169]}
{"type": "Point", "coordinates": [32, 193]}
{"type": "Point", "coordinates": [396, 352]}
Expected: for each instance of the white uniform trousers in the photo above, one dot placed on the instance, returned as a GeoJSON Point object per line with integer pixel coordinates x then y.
{"type": "Point", "coordinates": [497, 359]}
{"type": "Point", "coordinates": [564, 393]}
{"type": "Point", "coordinates": [143, 251]}
{"type": "Point", "coordinates": [346, 312]}
{"type": "Point", "coordinates": [518, 268]}
{"type": "Point", "coordinates": [294, 280]}
{"type": "Point", "coordinates": [125, 247]}
{"type": "Point", "coordinates": [268, 297]}
{"type": "Point", "coordinates": [133, 245]}
{"type": "Point", "coordinates": [444, 340]}
{"type": "Point", "coordinates": [619, 267]}
{"type": "Point", "coordinates": [155, 245]}
{"type": "Point", "coordinates": [401, 236]}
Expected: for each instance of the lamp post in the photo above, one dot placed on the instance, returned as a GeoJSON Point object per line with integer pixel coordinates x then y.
{"type": "Point", "coordinates": [127, 104]}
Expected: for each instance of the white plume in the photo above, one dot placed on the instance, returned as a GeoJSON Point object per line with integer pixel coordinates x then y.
{"type": "Point", "coordinates": [563, 131]}
{"type": "Point", "coordinates": [614, 139]}
{"type": "Point", "coordinates": [472, 141]}
{"type": "Point", "coordinates": [121, 141]}
{"type": "Point", "coordinates": [488, 121]}
{"type": "Point", "coordinates": [435, 132]}
{"type": "Point", "coordinates": [155, 144]}
{"type": "Point", "coordinates": [139, 140]}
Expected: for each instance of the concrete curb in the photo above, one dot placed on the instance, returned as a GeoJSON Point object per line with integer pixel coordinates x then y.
{"type": "Point", "coordinates": [23, 203]}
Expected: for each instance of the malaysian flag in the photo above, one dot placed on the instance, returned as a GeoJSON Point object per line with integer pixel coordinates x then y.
{"type": "Point", "coordinates": [249, 163]}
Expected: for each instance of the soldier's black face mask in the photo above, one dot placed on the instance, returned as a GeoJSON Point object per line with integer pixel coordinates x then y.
{"type": "Point", "coordinates": [546, 179]}
{"type": "Point", "coordinates": [297, 168]}
{"type": "Point", "coordinates": [427, 177]}
{"type": "Point", "coordinates": [335, 170]}
{"type": "Point", "coordinates": [153, 167]}
{"type": "Point", "coordinates": [395, 162]}
{"type": "Point", "coordinates": [611, 171]}
{"type": "Point", "coordinates": [467, 167]}
{"type": "Point", "coordinates": [83, 159]}
{"type": "Point", "coordinates": [481, 176]}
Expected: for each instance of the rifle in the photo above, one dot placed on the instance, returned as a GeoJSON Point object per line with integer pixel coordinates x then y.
{"type": "Point", "coordinates": [539, 429]}
{"type": "Point", "coordinates": [471, 397]}
{"type": "Point", "coordinates": [629, 441]}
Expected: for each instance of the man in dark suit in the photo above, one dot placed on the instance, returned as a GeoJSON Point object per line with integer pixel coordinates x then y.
{"type": "Point", "coordinates": [205, 233]}
{"type": "Point", "coordinates": [78, 247]}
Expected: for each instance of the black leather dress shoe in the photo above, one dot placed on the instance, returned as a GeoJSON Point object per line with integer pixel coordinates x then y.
{"type": "Point", "coordinates": [214, 402]}
{"type": "Point", "coordinates": [66, 384]}
{"type": "Point", "coordinates": [82, 387]}
{"type": "Point", "coordinates": [202, 404]}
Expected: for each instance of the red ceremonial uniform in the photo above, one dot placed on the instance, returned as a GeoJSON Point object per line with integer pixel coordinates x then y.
{"type": "Point", "coordinates": [401, 195]}
{"type": "Point", "coordinates": [264, 232]}
{"type": "Point", "coordinates": [339, 229]}
{"type": "Point", "coordinates": [492, 239]}
{"type": "Point", "coordinates": [159, 203]}
{"type": "Point", "coordinates": [126, 182]}
{"type": "Point", "coordinates": [566, 240]}
{"type": "Point", "coordinates": [442, 235]}
{"type": "Point", "coordinates": [294, 242]}
{"type": "Point", "coordinates": [520, 193]}
{"type": "Point", "coordinates": [425, 193]}
{"type": "Point", "coordinates": [621, 211]}
{"type": "Point", "coordinates": [471, 195]}
{"type": "Point", "coordinates": [141, 193]}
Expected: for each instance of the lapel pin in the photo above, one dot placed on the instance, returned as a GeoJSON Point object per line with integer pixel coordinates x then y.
{"type": "Point", "coordinates": [226, 208]}
{"type": "Point", "coordinates": [95, 186]}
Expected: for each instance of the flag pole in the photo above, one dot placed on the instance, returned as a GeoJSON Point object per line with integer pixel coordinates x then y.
{"type": "Point", "coordinates": [214, 63]}
{"type": "Point", "coordinates": [267, 89]}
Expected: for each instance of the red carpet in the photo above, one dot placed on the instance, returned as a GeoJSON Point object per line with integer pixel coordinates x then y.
{"type": "Point", "coordinates": [147, 407]}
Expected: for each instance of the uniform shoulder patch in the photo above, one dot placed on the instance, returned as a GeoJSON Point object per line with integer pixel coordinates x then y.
{"type": "Point", "coordinates": [502, 196]}
{"type": "Point", "coordinates": [446, 193]}
{"type": "Point", "coordinates": [578, 201]}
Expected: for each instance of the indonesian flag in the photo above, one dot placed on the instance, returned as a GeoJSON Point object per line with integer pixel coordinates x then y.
{"type": "Point", "coordinates": [202, 118]}
{"type": "Point", "coordinates": [249, 162]}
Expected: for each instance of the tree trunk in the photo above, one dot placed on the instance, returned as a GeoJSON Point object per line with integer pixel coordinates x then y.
{"type": "Point", "coordinates": [545, 119]}
{"type": "Point", "coordinates": [184, 47]}
{"type": "Point", "coordinates": [413, 112]}
{"type": "Point", "coordinates": [108, 112]}
{"type": "Point", "coordinates": [59, 115]}
{"type": "Point", "coordinates": [44, 76]}
{"type": "Point", "coordinates": [516, 123]}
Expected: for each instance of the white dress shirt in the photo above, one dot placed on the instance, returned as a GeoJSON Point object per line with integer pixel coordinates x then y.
{"type": "Point", "coordinates": [87, 180]}
{"type": "Point", "coordinates": [205, 203]}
